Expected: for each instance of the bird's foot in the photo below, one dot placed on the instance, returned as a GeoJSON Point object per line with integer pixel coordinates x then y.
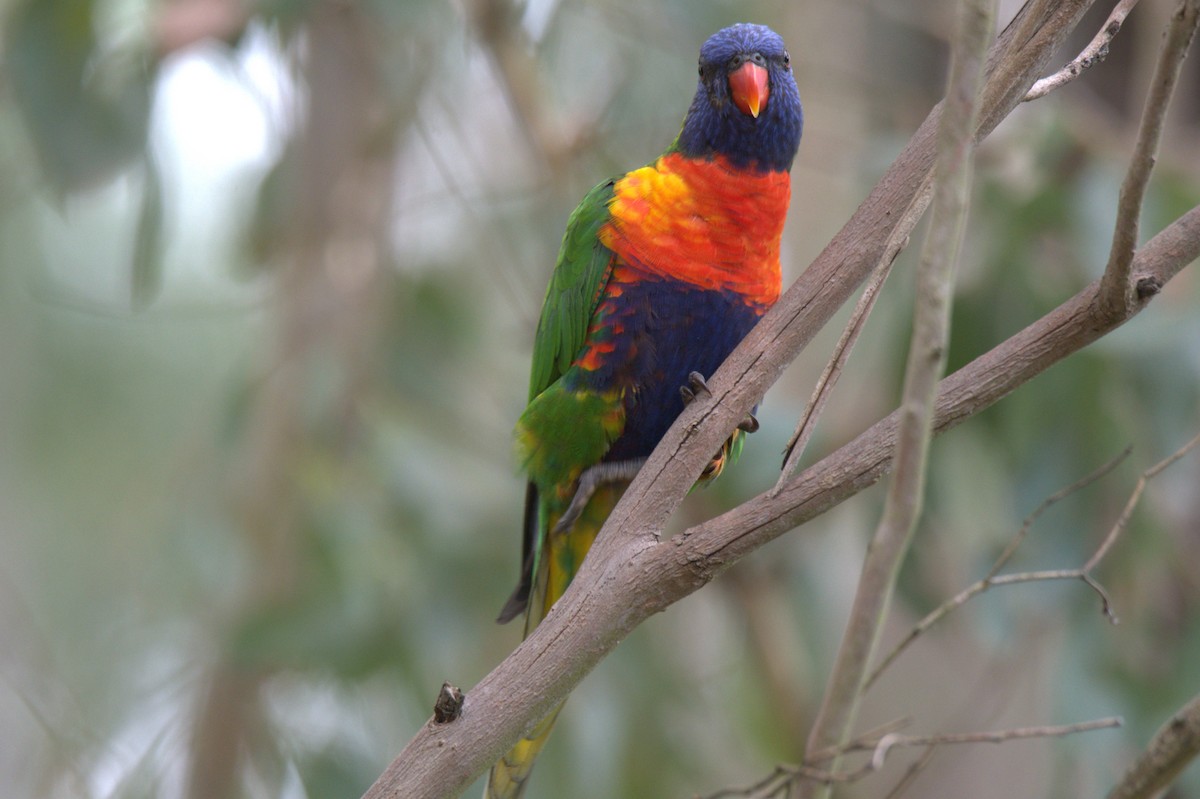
{"type": "Point", "coordinates": [695, 387]}
{"type": "Point", "coordinates": [749, 424]}
{"type": "Point", "coordinates": [591, 480]}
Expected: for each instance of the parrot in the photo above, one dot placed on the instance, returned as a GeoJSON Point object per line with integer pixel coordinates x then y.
{"type": "Point", "coordinates": [661, 273]}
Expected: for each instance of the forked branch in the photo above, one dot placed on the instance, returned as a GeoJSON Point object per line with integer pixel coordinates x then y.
{"type": "Point", "coordinates": [1117, 290]}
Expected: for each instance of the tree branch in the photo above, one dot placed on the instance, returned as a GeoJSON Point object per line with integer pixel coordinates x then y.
{"type": "Point", "coordinates": [1171, 748]}
{"type": "Point", "coordinates": [990, 579]}
{"type": "Point", "coordinates": [1094, 53]}
{"type": "Point", "coordinates": [926, 362]}
{"type": "Point", "coordinates": [786, 775]}
{"type": "Point", "coordinates": [1049, 502]}
{"type": "Point", "coordinates": [640, 576]}
{"type": "Point", "coordinates": [1132, 502]}
{"type": "Point", "coordinates": [1117, 292]}
{"type": "Point", "coordinates": [841, 352]}
{"type": "Point", "coordinates": [973, 388]}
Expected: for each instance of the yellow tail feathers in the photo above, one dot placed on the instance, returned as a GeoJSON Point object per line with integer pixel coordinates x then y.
{"type": "Point", "coordinates": [508, 775]}
{"type": "Point", "coordinates": [561, 559]}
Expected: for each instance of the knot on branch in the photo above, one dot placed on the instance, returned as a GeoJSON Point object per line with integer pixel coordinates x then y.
{"type": "Point", "coordinates": [1148, 286]}
{"type": "Point", "coordinates": [698, 566]}
{"type": "Point", "coordinates": [448, 706]}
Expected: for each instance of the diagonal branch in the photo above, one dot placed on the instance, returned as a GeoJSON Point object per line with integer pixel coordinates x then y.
{"type": "Point", "coordinates": [1171, 749]}
{"type": "Point", "coordinates": [973, 388]}
{"type": "Point", "coordinates": [1134, 498]}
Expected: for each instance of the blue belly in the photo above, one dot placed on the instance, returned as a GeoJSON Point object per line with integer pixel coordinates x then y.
{"type": "Point", "coordinates": [670, 329]}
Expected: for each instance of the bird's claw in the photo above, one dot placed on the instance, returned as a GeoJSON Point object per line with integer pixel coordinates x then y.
{"type": "Point", "coordinates": [749, 424]}
{"type": "Point", "coordinates": [695, 387]}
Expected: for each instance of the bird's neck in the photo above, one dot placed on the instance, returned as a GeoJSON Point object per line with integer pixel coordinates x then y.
{"type": "Point", "coordinates": [704, 222]}
{"type": "Point", "coordinates": [766, 144]}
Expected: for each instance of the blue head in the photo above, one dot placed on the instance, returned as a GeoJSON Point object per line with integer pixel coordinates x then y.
{"type": "Point", "coordinates": [747, 107]}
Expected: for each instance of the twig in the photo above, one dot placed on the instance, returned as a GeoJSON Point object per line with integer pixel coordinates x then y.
{"type": "Point", "coordinates": [785, 774]}
{"type": "Point", "coordinates": [887, 742]}
{"type": "Point", "coordinates": [1116, 289]}
{"type": "Point", "coordinates": [1083, 573]}
{"type": "Point", "coordinates": [926, 362]}
{"type": "Point", "coordinates": [841, 352]}
{"type": "Point", "coordinates": [1134, 497]}
{"type": "Point", "coordinates": [1094, 53]}
{"type": "Point", "coordinates": [873, 736]}
{"type": "Point", "coordinates": [911, 773]}
{"type": "Point", "coordinates": [1047, 503]}
{"type": "Point", "coordinates": [1175, 745]}
{"type": "Point", "coordinates": [990, 579]}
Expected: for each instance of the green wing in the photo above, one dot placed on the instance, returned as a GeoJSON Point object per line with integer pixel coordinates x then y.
{"type": "Point", "coordinates": [571, 299]}
{"type": "Point", "coordinates": [574, 290]}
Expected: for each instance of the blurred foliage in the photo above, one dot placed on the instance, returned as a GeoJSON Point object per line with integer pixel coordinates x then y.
{"type": "Point", "coordinates": [239, 451]}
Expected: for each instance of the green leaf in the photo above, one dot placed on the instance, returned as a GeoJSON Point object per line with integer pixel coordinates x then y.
{"type": "Point", "coordinates": [87, 109]}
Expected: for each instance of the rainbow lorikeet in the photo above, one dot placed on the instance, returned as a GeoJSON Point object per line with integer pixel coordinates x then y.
{"type": "Point", "coordinates": [661, 273]}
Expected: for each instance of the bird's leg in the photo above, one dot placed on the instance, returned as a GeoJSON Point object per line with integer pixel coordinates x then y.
{"type": "Point", "coordinates": [696, 386]}
{"type": "Point", "coordinates": [592, 479]}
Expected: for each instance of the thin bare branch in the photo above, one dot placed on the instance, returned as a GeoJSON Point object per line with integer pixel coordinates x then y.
{"type": "Point", "coordinates": [1094, 53]}
{"type": "Point", "coordinates": [785, 775]}
{"type": "Point", "coordinates": [885, 744]}
{"type": "Point", "coordinates": [1083, 573]}
{"type": "Point", "coordinates": [1049, 502]}
{"type": "Point", "coordinates": [841, 352]}
{"type": "Point", "coordinates": [1169, 751]}
{"type": "Point", "coordinates": [926, 362]}
{"type": "Point", "coordinates": [910, 774]}
{"type": "Point", "coordinates": [1123, 519]}
{"type": "Point", "coordinates": [1117, 290]}
{"type": "Point", "coordinates": [989, 579]}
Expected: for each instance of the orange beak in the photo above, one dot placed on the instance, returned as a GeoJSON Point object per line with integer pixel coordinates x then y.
{"type": "Point", "coordinates": [748, 85]}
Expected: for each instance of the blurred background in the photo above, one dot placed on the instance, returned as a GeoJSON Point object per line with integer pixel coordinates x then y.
{"type": "Point", "coordinates": [269, 274]}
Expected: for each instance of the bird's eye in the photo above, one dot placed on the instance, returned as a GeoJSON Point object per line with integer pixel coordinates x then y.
{"type": "Point", "coordinates": [787, 60]}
